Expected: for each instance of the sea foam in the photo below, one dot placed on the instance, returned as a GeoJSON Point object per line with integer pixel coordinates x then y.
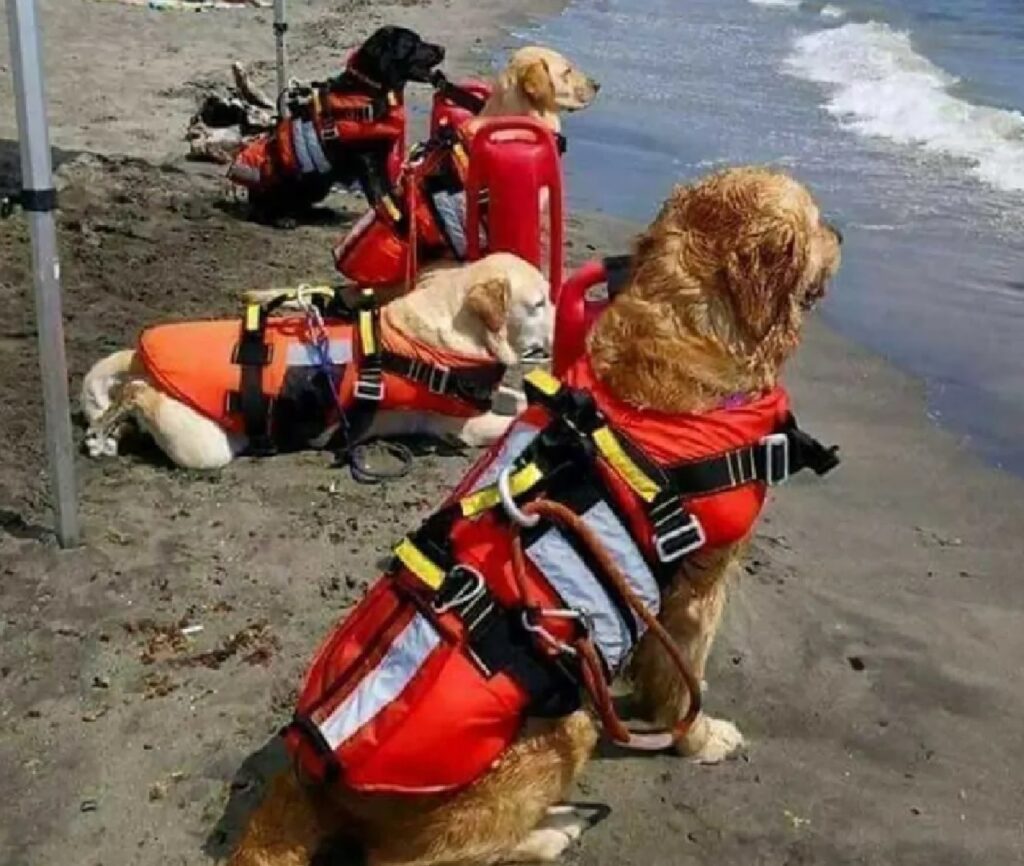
{"type": "Point", "coordinates": [880, 86]}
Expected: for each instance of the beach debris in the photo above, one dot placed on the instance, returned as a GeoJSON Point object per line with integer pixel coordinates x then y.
{"type": "Point", "coordinates": [94, 715]}
{"type": "Point", "coordinates": [159, 685]}
{"type": "Point", "coordinates": [157, 791]}
{"type": "Point", "coordinates": [99, 682]}
{"type": "Point", "coordinates": [191, 629]}
{"type": "Point", "coordinates": [795, 821]}
{"type": "Point", "coordinates": [856, 662]}
{"type": "Point", "coordinates": [88, 806]}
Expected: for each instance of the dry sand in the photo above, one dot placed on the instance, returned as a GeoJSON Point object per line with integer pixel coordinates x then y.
{"type": "Point", "coordinates": [872, 652]}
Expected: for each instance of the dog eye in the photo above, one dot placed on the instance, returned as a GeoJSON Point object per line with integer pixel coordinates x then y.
{"type": "Point", "coordinates": [539, 305]}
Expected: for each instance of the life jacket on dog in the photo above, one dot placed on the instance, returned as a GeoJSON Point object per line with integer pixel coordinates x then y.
{"type": "Point", "coordinates": [284, 384]}
{"type": "Point", "coordinates": [423, 219]}
{"type": "Point", "coordinates": [323, 121]}
{"type": "Point", "coordinates": [429, 679]}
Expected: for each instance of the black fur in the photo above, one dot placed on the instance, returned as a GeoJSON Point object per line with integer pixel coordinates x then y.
{"type": "Point", "coordinates": [389, 59]}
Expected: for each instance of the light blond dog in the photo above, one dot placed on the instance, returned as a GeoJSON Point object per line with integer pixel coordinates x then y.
{"type": "Point", "coordinates": [496, 308]}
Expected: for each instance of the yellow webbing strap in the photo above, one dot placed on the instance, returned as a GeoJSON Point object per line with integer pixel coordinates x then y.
{"type": "Point", "coordinates": [420, 564]}
{"type": "Point", "coordinates": [518, 483]}
{"type": "Point", "coordinates": [392, 99]}
{"type": "Point", "coordinates": [392, 209]}
{"type": "Point", "coordinates": [544, 382]}
{"type": "Point", "coordinates": [366, 336]}
{"type": "Point", "coordinates": [252, 317]}
{"type": "Point", "coordinates": [644, 486]}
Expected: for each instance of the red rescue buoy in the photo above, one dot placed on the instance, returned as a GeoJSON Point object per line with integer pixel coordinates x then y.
{"type": "Point", "coordinates": [579, 304]}
{"type": "Point", "coordinates": [514, 166]}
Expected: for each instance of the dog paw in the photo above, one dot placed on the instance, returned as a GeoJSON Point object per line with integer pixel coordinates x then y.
{"type": "Point", "coordinates": [98, 444]}
{"type": "Point", "coordinates": [711, 741]}
{"type": "Point", "coordinates": [562, 826]}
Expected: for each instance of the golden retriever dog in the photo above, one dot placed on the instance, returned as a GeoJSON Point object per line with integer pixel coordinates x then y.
{"type": "Point", "coordinates": [496, 310]}
{"type": "Point", "coordinates": [540, 83]}
{"type": "Point", "coordinates": [713, 308]}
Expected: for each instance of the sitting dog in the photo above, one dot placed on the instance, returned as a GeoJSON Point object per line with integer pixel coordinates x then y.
{"type": "Point", "coordinates": [427, 364]}
{"type": "Point", "coordinates": [348, 130]}
{"type": "Point", "coordinates": [441, 722]}
{"type": "Point", "coordinates": [537, 83]}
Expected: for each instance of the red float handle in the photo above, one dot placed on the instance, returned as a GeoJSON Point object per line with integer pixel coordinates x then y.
{"type": "Point", "coordinates": [571, 320]}
{"type": "Point", "coordinates": [540, 133]}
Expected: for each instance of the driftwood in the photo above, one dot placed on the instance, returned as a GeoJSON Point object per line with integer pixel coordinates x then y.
{"type": "Point", "coordinates": [227, 120]}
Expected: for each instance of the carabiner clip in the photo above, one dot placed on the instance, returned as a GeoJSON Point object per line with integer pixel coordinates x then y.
{"type": "Point", "coordinates": [508, 502]}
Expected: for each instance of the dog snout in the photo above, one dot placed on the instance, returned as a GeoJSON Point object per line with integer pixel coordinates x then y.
{"type": "Point", "coordinates": [595, 85]}
{"type": "Point", "coordinates": [835, 230]}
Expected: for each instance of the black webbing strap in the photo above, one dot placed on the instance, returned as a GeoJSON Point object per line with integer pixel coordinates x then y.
{"type": "Point", "coordinates": [253, 354]}
{"type": "Point", "coordinates": [456, 95]}
{"type": "Point", "coordinates": [472, 385]}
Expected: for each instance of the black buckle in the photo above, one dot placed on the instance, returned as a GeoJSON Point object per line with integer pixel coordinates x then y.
{"type": "Point", "coordinates": [437, 380]}
{"type": "Point", "coordinates": [677, 531]}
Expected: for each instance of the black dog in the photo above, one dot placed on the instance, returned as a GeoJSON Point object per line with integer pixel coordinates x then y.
{"type": "Point", "coordinates": [375, 78]}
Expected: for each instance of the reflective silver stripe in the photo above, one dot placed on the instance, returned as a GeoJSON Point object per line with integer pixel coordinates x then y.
{"type": "Point", "coordinates": [316, 152]}
{"type": "Point", "coordinates": [580, 589]}
{"type": "Point", "coordinates": [519, 436]}
{"type": "Point", "coordinates": [384, 683]}
{"type": "Point", "coordinates": [304, 355]}
{"type": "Point", "coordinates": [301, 151]}
{"type": "Point", "coordinates": [451, 209]}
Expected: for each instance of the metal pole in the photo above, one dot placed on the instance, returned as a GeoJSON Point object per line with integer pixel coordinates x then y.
{"type": "Point", "coordinates": [39, 200]}
{"type": "Point", "coordinates": [280, 28]}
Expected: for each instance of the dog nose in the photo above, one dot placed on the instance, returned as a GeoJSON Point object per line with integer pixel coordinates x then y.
{"type": "Point", "coordinates": [836, 232]}
{"type": "Point", "coordinates": [595, 84]}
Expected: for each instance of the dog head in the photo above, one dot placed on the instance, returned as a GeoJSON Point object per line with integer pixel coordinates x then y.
{"type": "Point", "coordinates": [393, 56]}
{"type": "Point", "coordinates": [544, 82]}
{"type": "Point", "coordinates": [720, 282]}
{"type": "Point", "coordinates": [510, 298]}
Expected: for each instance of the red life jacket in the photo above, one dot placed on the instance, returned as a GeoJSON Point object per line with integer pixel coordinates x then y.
{"type": "Point", "coordinates": [282, 385]}
{"type": "Point", "coordinates": [424, 218]}
{"type": "Point", "coordinates": [429, 679]}
{"type": "Point", "coordinates": [303, 144]}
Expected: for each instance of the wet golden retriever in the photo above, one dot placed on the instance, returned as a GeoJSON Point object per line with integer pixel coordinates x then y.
{"type": "Point", "coordinates": [714, 307]}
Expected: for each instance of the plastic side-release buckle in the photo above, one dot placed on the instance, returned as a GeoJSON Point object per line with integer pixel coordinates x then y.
{"type": "Point", "coordinates": [677, 532]}
{"type": "Point", "coordinates": [776, 458]}
{"type": "Point", "coordinates": [370, 386]}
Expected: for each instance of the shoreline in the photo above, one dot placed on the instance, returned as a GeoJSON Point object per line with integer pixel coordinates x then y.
{"type": "Point", "coordinates": [872, 643]}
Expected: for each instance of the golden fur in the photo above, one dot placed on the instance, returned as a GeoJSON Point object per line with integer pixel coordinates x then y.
{"type": "Point", "coordinates": [713, 308]}
{"type": "Point", "coordinates": [539, 82]}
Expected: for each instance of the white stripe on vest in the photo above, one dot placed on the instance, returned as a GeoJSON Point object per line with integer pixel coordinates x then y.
{"type": "Point", "coordinates": [580, 588]}
{"type": "Point", "coordinates": [305, 355]}
{"type": "Point", "coordinates": [385, 683]}
{"type": "Point", "coordinates": [308, 152]}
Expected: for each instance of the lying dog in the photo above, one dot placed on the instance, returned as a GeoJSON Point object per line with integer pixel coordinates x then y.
{"type": "Point", "coordinates": [660, 444]}
{"type": "Point", "coordinates": [537, 83]}
{"type": "Point", "coordinates": [428, 364]}
{"type": "Point", "coordinates": [348, 130]}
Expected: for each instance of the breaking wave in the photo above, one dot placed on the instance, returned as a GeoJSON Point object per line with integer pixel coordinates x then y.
{"type": "Point", "coordinates": [781, 4]}
{"type": "Point", "coordinates": [879, 86]}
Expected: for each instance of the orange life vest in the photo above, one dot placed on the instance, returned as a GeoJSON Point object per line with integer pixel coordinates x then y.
{"type": "Point", "coordinates": [272, 379]}
{"type": "Point", "coordinates": [428, 681]}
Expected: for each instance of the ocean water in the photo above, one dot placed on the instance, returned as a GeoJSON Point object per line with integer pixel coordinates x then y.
{"type": "Point", "coordinates": [904, 116]}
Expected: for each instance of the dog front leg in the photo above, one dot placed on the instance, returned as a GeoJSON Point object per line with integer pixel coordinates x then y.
{"type": "Point", "coordinates": [691, 614]}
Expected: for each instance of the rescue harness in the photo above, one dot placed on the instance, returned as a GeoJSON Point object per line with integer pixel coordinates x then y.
{"type": "Point", "coordinates": [533, 582]}
{"type": "Point", "coordinates": [287, 382]}
{"type": "Point", "coordinates": [424, 215]}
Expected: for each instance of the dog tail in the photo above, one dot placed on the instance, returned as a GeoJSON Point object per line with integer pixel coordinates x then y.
{"type": "Point", "coordinates": [101, 379]}
{"type": "Point", "coordinates": [287, 828]}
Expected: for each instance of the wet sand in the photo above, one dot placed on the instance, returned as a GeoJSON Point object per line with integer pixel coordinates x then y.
{"type": "Point", "coordinates": [871, 652]}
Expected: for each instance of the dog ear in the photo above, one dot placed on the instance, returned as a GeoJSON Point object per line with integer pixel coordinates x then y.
{"type": "Point", "coordinates": [766, 273]}
{"type": "Point", "coordinates": [489, 300]}
{"type": "Point", "coordinates": [537, 86]}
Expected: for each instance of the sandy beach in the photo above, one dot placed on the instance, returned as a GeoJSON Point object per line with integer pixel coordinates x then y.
{"type": "Point", "coordinates": [871, 652]}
